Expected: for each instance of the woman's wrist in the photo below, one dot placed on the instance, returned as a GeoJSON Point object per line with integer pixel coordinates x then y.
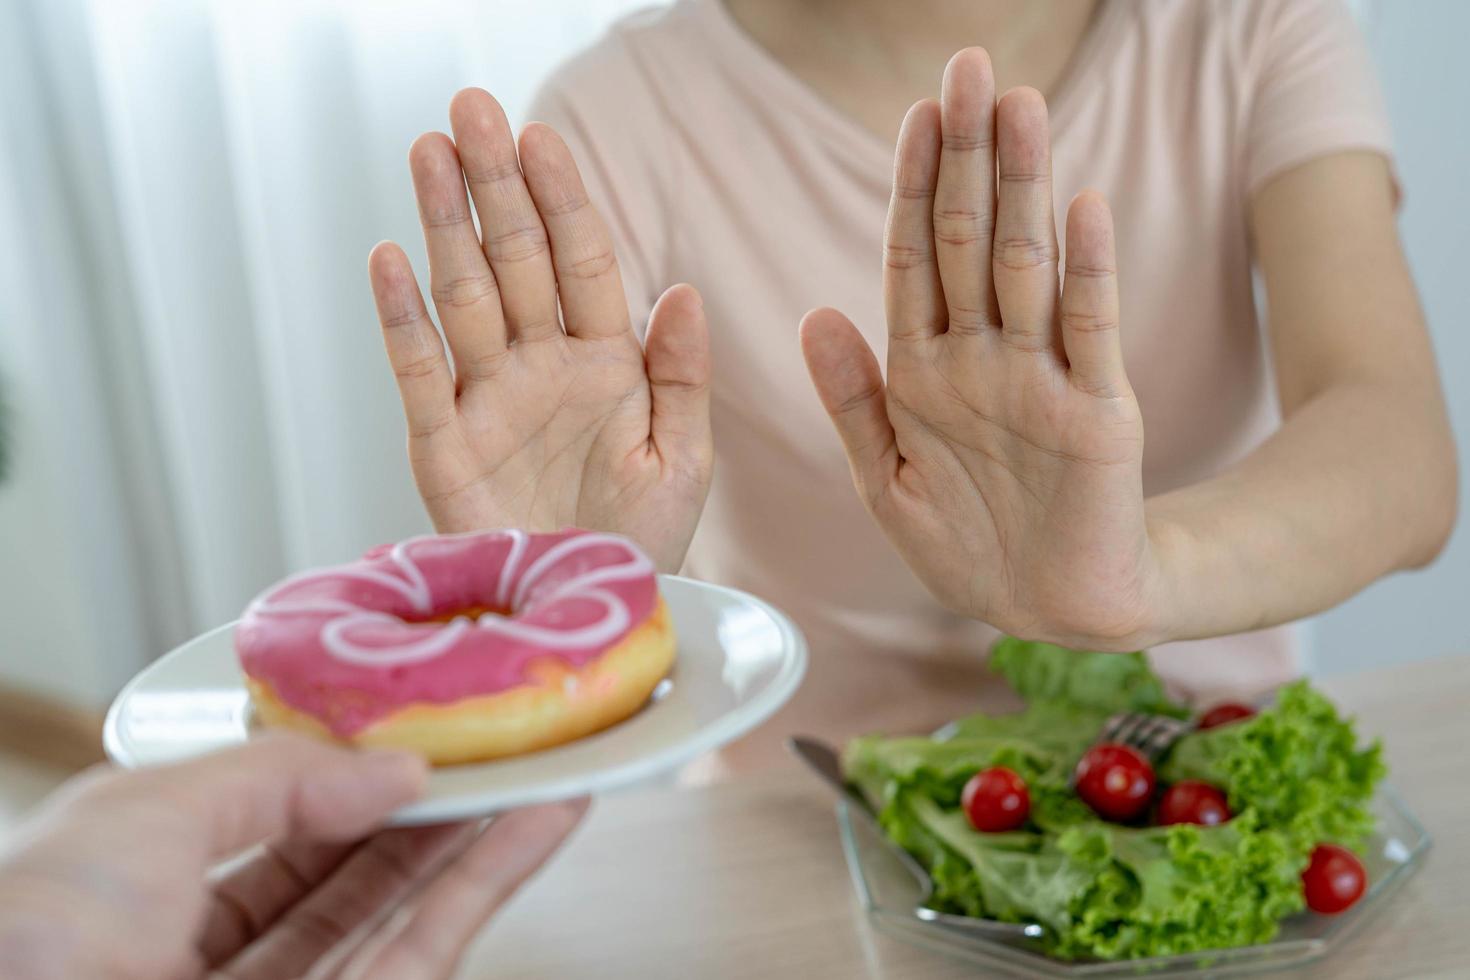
{"type": "Point", "coordinates": [1151, 609]}
{"type": "Point", "coordinates": [1206, 586]}
{"type": "Point", "coordinates": [1170, 603]}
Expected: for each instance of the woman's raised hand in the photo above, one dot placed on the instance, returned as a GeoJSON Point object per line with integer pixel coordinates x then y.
{"type": "Point", "coordinates": [1003, 457]}
{"type": "Point", "coordinates": [552, 414]}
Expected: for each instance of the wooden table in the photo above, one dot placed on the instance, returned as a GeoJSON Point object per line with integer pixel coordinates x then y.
{"type": "Point", "coordinates": [746, 879]}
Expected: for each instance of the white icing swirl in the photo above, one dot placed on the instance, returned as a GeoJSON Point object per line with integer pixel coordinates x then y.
{"type": "Point", "coordinates": [513, 590]}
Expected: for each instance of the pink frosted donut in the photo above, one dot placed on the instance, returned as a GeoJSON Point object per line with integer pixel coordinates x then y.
{"type": "Point", "coordinates": [463, 647]}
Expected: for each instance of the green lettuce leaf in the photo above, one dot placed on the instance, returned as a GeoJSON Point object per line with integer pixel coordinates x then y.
{"type": "Point", "coordinates": [1160, 891]}
{"type": "Point", "coordinates": [1296, 764]}
{"type": "Point", "coordinates": [1016, 880]}
{"type": "Point", "coordinates": [1106, 891]}
{"type": "Point", "coordinates": [939, 769]}
{"type": "Point", "coordinates": [1050, 726]}
{"type": "Point", "coordinates": [1041, 744]}
{"type": "Point", "coordinates": [1294, 775]}
{"type": "Point", "coordinates": [1104, 682]}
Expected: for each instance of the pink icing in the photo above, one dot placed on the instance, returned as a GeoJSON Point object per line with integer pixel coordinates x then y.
{"type": "Point", "coordinates": [349, 645]}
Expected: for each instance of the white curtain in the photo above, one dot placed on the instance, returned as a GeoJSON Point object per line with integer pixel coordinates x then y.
{"type": "Point", "coordinates": [199, 400]}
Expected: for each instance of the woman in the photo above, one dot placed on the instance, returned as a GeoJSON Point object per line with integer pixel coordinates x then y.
{"type": "Point", "coordinates": [743, 146]}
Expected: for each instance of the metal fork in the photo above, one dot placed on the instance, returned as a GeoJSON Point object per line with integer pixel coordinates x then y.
{"type": "Point", "coordinates": [1149, 735]}
{"type": "Point", "coordinates": [823, 760]}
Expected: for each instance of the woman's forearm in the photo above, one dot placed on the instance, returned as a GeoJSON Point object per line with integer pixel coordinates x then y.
{"type": "Point", "coordinates": [1359, 482]}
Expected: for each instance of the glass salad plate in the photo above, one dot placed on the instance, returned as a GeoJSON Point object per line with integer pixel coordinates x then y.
{"type": "Point", "coordinates": [888, 894]}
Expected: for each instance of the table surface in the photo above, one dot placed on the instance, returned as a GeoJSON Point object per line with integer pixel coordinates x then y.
{"type": "Point", "coordinates": [746, 878]}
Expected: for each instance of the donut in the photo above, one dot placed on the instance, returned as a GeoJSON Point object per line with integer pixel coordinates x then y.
{"type": "Point", "coordinates": [461, 647]}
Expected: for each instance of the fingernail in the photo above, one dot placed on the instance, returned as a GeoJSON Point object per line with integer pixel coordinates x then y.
{"type": "Point", "coordinates": [578, 807]}
{"type": "Point", "coordinates": [397, 766]}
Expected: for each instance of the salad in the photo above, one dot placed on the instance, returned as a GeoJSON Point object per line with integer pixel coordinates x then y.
{"type": "Point", "coordinates": [1247, 818]}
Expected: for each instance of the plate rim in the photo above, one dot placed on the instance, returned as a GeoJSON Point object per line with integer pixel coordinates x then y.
{"type": "Point", "coordinates": [720, 731]}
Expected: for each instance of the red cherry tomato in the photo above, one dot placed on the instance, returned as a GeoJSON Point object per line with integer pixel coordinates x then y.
{"type": "Point", "coordinates": [1191, 801]}
{"type": "Point", "coordinates": [1223, 714]}
{"type": "Point", "coordinates": [1115, 781]}
{"type": "Point", "coordinates": [1334, 879]}
{"type": "Point", "coordinates": [996, 799]}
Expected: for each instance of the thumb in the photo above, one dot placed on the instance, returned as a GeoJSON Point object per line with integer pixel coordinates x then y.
{"type": "Point", "coordinates": [287, 786]}
{"type": "Point", "coordinates": [848, 382]}
{"type": "Point", "coordinates": [676, 352]}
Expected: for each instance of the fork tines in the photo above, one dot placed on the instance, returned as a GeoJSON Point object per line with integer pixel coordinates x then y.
{"type": "Point", "coordinates": [1150, 735]}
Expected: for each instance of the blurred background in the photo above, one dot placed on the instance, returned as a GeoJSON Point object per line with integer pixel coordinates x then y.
{"type": "Point", "coordinates": [196, 398]}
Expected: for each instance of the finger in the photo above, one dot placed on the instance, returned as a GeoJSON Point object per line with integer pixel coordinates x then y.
{"type": "Point", "coordinates": [850, 386]}
{"type": "Point", "coordinates": [195, 812]}
{"type": "Point", "coordinates": [514, 238]}
{"type": "Point", "coordinates": [1025, 253]}
{"type": "Point", "coordinates": [964, 198]}
{"type": "Point", "coordinates": [1090, 298]}
{"type": "Point", "coordinates": [367, 887]}
{"type": "Point", "coordinates": [587, 276]}
{"type": "Point", "coordinates": [248, 897]}
{"type": "Point", "coordinates": [676, 351]}
{"type": "Point", "coordinates": [431, 937]}
{"type": "Point", "coordinates": [284, 786]}
{"type": "Point", "coordinates": [913, 298]}
{"type": "Point", "coordinates": [460, 280]}
{"type": "Point", "coordinates": [415, 351]}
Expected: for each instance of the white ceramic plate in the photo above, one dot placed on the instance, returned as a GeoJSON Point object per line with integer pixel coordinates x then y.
{"type": "Point", "coordinates": [739, 660]}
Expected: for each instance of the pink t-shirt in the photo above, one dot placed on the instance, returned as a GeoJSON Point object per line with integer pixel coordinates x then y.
{"type": "Point", "coordinates": [715, 165]}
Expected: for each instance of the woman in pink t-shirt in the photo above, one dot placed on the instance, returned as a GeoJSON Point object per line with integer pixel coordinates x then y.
{"type": "Point", "coordinates": [746, 146]}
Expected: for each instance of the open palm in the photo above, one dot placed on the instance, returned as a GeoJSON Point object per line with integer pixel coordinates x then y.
{"type": "Point", "coordinates": [553, 415]}
{"type": "Point", "coordinates": [1003, 457]}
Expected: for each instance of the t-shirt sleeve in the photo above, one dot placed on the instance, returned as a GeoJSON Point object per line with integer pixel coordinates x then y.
{"type": "Point", "coordinates": [1316, 90]}
{"type": "Point", "coordinates": [604, 111]}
